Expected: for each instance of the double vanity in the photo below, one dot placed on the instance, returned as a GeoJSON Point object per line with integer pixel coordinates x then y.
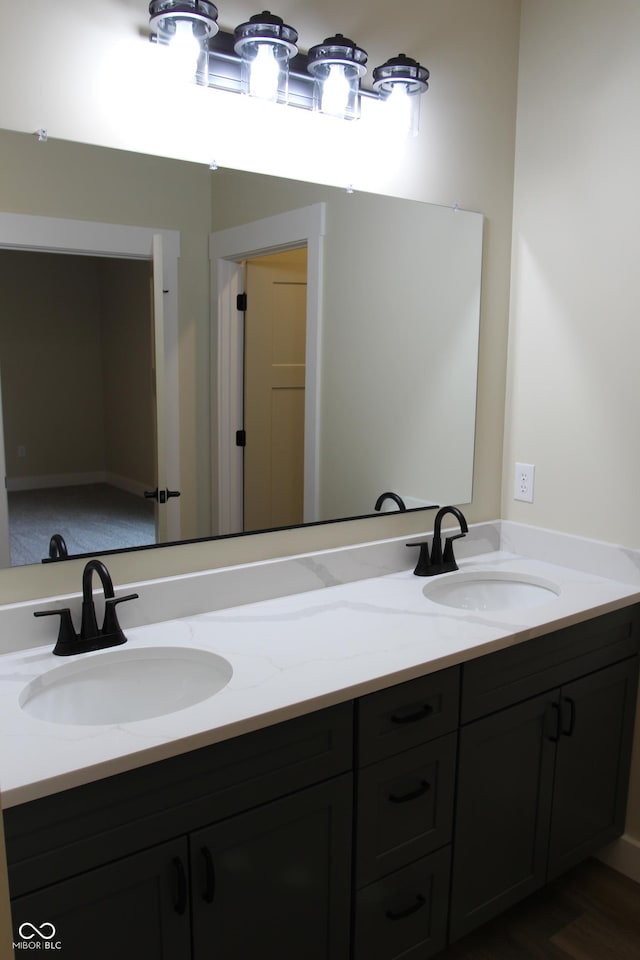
{"type": "Point", "coordinates": [366, 764]}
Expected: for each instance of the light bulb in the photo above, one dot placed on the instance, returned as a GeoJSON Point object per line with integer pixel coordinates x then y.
{"type": "Point", "coordinates": [265, 73]}
{"type": "Point", "coordinates": [335, 91]}
{"type": "Point", "coordinates": [400, 108]}
{"type": "Point", "coordinates": [185, 50]}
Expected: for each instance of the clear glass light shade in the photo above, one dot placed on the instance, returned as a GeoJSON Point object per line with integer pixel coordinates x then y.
{"type": "Point", "coordinates": [400, 82]}
{"type": "Point", "coordinates": [183, 27]}
{"type": "Point", "coordinates": [336, 67]}
{"type": "Point", "coordinates": [265, 44]}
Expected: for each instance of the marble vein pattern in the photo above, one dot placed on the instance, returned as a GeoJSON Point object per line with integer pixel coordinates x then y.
{"type": "Point", "coordinates": [290, 655]}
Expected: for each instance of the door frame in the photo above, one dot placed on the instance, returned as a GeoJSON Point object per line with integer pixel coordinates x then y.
{"type": "Point", "coordinates": [90, 238]}
{"type": "Point", "coordinates": [227, 249]}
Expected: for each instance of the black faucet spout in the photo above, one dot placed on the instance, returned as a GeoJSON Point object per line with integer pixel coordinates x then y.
{"type": "Point", "coordinates": [89, 626]}
{"type": "Point", "coordinates": [443, 561]}
{"type": "Point", "coordinates": [390, 496]}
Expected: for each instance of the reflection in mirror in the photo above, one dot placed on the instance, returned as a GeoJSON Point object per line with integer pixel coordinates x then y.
{"type": "Point", "coordinates": [396, 288]}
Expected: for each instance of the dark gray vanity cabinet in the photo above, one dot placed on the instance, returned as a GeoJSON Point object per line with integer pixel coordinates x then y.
{"type": "Point", "coordinates": [242, 849]}
{"type": "Point", "coordinates": [406, 756]}
{"type": "Point", "coordinates": [275, 882]}
{"type": "Point", "coordinates": [377, 829]}
{"type": "Point", "coordinates": [136, 907]}
{"type": "Point", "coordinates": [542, 784]}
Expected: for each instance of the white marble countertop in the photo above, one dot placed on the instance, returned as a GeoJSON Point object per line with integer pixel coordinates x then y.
{"type": "Point", "coordinates": [290, 655]}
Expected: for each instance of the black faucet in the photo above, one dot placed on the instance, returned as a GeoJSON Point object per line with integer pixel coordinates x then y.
{"type": "Point", "coordinates": [390, 496]}
{"type": "Point", "coordinates": [441, 561]}
{"type": "Point", "coordinates": [90, 637]}
{"type": "Point", "coordinates": [58, 547]}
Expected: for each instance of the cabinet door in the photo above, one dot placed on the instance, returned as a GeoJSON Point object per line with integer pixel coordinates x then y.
{"type": "Point", "coordinates": [275, 882]}
{"type": "Point", "coordinates": [592, 765]}
{"type": "Point", "coordinates": [505, 783]}
{"type": "Point", "coordinates": [132, 908]}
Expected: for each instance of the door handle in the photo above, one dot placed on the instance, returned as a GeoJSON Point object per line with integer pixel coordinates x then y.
{"type": "Point", "coordinates": [161, 495]}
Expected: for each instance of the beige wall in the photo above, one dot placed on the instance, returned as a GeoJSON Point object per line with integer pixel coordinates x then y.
{"type": "Point", "coordinates": [399, 332]}
{"type": "Point", "coordinates": [574, 389]}
{"type": "Point", "coordinates": [50, 362]}
{"type": "Point", "coordinates": [127, 374]}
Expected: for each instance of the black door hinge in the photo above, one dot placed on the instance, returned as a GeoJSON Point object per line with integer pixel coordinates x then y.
{"type": "Point", "coordinates": [241, 302]}
{"type": "Point", "coordinates": [241, 438]}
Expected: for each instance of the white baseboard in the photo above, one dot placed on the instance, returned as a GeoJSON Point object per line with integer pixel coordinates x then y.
{"type": "Point", "coordinates": [55, 480]}
{"type": "Point", "coordinates": [125, 483]}
{"type": "Point", "coordinates": [78, 480]}
{"type": "Point", "coordinates": [624, 856]}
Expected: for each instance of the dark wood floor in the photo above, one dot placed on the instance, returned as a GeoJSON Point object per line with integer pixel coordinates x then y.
{"type": "Point", "coordinates": [592, 913]}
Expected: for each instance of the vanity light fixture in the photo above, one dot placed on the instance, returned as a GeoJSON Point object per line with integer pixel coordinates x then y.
{"type": "Point", "coordinates": [400, 81]}
{"type": "Point", "coordinates": [261, 58]}
{"type": "Point", "coordinates": [265, 44]}
{"type": "Point", "coordinates": [185, 26]}
{"type": "Point", "coordinates": [337, 66]}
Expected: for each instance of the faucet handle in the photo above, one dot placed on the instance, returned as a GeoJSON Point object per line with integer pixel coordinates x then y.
{"type": "Point", "coordinates": [111, 629]}
{"type": "Point", "coordinates": [448, 559]}
{"type": "Point", "coordinates": [424, 564]}
{"type": "Point", "coordinates": [67, 636]}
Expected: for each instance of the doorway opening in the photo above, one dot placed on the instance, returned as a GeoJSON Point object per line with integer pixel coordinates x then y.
{"type": "Point", "coordinates": [111, 248]}
{"type": "Point", "coordinates": [78, 387]}
{"type": "Point", "coordinates": [228, 251]}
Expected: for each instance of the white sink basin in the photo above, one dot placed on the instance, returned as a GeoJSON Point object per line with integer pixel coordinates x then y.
{"type": "Point", "coordinates": [488, 590]}
{"type": "Point", "coordinates": [127, 684]}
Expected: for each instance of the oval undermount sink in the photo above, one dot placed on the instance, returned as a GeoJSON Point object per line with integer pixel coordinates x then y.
{"type": "Point", "coordinates": [487, 590]}
{"type": "Point", "coordinates": [120, 686]}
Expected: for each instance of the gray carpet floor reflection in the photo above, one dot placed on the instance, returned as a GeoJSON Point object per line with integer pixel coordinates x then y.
{"type": "Point", "coordinates": [92, 517]}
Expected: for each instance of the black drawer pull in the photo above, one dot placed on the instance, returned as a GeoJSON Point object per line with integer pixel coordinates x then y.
{"type": "Point", "coordinates": [209, 888]}
{"type": "Point", "coordinates": [421, 714]}
{"type": "Point", "coordinates": [180, 877]}
{"type": "Point", "coordinates": [403, 914]}
{"type": "Point", "coordinates": [413, 795]}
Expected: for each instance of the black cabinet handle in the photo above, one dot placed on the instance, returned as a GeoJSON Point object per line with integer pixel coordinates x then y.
{"type": "Point", "coordinates": [209, 887]}
{"type": "Point", "coordinates": [421, 714]}
{"type": "Point", "coordinates": [403, 914]}
{"type": "Point", "coordinates": [180, 890]}
{"type": "Point", "coordinates": [568, 730]}
{"type": "Point", "coordinates": [554, 736]}
{"type": "Point", "coordinates": [413, 795]}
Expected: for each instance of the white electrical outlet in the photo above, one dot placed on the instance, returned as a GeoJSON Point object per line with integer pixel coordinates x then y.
{"type": "Point", "coordinates": [523, 482]}
{"type": "Point", "coordinates": [22, 450]}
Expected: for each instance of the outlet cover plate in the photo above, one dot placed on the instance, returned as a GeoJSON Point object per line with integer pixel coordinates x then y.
{"type": "Point", "coordinates": [523, 482]}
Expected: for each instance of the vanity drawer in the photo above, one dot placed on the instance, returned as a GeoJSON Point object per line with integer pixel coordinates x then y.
{"type": "Point", "coordinates": [404, 807]}
{"type": "Point", "coordinates": [406, 715]}
{"type": "Point", "coordinates": [405, 914]}
{"type": "Point", "coordinates": [517, 673]}
{"type": "Point", "coordinates": [69, 832]}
